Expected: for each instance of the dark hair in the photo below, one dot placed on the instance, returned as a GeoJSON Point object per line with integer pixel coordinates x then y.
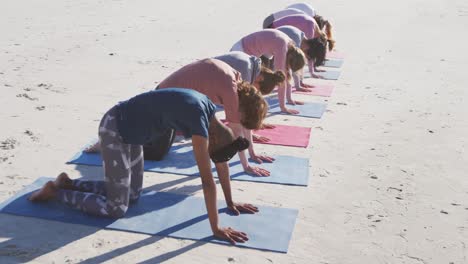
{"type": "Point", "coordinates": [252, 107]}
{"type": "Point", "coordinates": [317, 50]}
{"type": "Point", "coordinates": [270, 80]}
{"type": "Point", "coordinates": [323, 23]}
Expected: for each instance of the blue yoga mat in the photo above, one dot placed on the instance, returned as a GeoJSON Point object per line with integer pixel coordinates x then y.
{"type": "Point", "coordinates": [168, 214]}
{"type": "Point", "coordinates": [308, 109]}
{"type": "Point", "coordinates": [180, 160]}
{"type": "Point", "coordinates": [333, 63]}
{"type": "Point", "coordinates": [327, 75]}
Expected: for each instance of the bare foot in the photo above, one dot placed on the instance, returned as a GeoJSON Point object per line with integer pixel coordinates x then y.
{"type": "Point", "coordinates": [47, 192]}
{"type": "Point", "coordinates": [96, 147]}
{"type": "Point", "coordinates": [63, 181]}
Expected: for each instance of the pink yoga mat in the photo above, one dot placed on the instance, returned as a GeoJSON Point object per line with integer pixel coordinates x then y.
{"type": "Point", "coordinates": [335, 55]}
{"type": "Point", "coordinates": [291, 136]}
{"type": "Point", "coordinates": [319, 90]}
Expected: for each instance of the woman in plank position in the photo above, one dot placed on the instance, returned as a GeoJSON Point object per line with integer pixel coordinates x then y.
{"type": "Point", "coordinates": [122, 132]}
{"type": "Point", "coordinates": [287, 57]}
{"type": "Point", "coordinates": [243, 104]}
{"type": "Point", "coordinates": [315, 50]}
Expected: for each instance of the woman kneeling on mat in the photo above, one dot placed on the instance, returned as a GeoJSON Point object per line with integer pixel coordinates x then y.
{"type": "Point", "coordinates": [303, 8]}
{"type": "Point", "coordinates": [243, 104]}
{"type": "Point", "coordinates": [312, 27]}
{"type": "Point", "coordinates": [275, 44]}
{"type": "Point", "coordinates": [130, 124]}
{"type": "Point", "coordinates": [252, 70]}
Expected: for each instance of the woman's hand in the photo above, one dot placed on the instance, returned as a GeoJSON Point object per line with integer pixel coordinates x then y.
{"type": "Point", "coordinates": [231, 235]}
{"type": "Point", "coordinates": [307, 85]}
{"type": "Point", "coordinates": [290, 111]}
{"type": "Point", "coordinates": [261, 158]}
{"type": "Point", "coordinates": [268, 126]}
{"type": "Point", "coordinates": [238, 208]}
{"type": "Point", "coordinates": [259, 139]}
{"type": "Point", "coordinates": [304, 90]}
{"type": "Point", "coordinates": [257, 171]}
{"type": "Point", "coordinates": [316, 76]}
{"type": "Point", "coordinates": [295, 102]}
{"type": "Point", "coordinates": [319, 70]}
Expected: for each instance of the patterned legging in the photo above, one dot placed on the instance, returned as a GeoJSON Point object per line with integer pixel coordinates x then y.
{"type": "Point", "coordinates": [123, 180]}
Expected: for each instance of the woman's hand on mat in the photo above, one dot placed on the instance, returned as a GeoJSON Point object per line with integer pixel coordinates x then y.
{"type": "Point", "coordinates": [307, 85]}
{"type": "Point", "coordinates": [231, 235]}
{"type": "Point", "coordinates": [257, 171]}
{"type": "Point", "coordinates": [268, 126]}
{"type": "Point", "coordinates": [316, 76]}
{"type": "Point", "coordinates": [304, 90]}
{"type": "Point", "coordinates": [290, 111]}
{"type": "Point", "coordinates": [295, 102]}
{"type": "Point", "coordinates": [260, 139]}
{"type": "Point", "coordinates": [238, 208]}
{"type": "Point", "coordinates": [261, 158]}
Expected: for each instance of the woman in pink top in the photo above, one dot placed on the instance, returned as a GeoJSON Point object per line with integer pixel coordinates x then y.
{"type": "Point", "coordinates": [311, 25]}
{"type": "Point", "coordinates": [243, 104]}
{"type": "Point", "coordinates": [274, 43]}
{"type": "Point", "coordinates": [282, 13]}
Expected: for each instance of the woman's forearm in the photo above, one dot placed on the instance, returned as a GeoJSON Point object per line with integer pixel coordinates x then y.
{"type": "Point", "coordinates": [223, 174]}
{"type": "Point", "coordinates": [209, 191]}
{"type": "Point", "coordinates": [282, 96]}
{"type": "Point", "coordinates": [238, 131]}
{"type": "Point", "coordinates": [311, 67]}
{"type": "Point", "coordinates": [297, 80]}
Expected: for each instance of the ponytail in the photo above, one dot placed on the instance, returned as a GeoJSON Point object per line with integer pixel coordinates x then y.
{"type": "Point", "coordinates": [270, 80]}
{"type": "Point", "coordinates": [326, 26]}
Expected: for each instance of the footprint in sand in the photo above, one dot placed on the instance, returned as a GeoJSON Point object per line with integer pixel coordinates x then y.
{"type": "Point", "coordinates": [27, 96]}
{"type": "Point", "coordinates": [48, 87]}
{"type": "Point", "coordinates": [31, 135]}
{"type": "Point", "coordinates": [8, 144]}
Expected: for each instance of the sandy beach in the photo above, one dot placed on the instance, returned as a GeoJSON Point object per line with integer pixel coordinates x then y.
{"type": "Point", "coordinates": [388, 179]}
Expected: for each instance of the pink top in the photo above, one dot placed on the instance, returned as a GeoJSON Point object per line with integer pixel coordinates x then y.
{"type": "Point", "coordinates": [268, 42]}
{"type": "Point", "coordinates": [287, 12]}
{"type": "Point", "coordinates": [213, 78]}
{"type": "Point", "coordinates": [304, 23]}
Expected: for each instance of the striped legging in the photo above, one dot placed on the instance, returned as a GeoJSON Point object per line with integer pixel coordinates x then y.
{"type": "Point", "coordinates": [123, 180]}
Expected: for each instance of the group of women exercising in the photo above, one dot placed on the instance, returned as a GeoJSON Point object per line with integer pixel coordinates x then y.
{"type": "Point", "coordinates": [143, 127]}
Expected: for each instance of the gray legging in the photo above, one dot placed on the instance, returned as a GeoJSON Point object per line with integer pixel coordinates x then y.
{"type": "Point", "coordinates": [123, 180]}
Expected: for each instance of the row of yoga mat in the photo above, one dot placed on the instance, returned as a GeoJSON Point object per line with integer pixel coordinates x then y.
{"type": "Point", "coordinates": [182, 216]}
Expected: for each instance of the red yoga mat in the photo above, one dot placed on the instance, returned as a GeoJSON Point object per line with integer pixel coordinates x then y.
{"type": "Point", "coordinates": [335, 55]}
{"type": "Point", "coordinates": [291, 136]}
{"type": "Point", "coordinates": [318, 90]}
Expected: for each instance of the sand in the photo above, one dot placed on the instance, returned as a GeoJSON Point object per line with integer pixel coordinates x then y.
{"type": "Point", "coordinates": [389, 158]}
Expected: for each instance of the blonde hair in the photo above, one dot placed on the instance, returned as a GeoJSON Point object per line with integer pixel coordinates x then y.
{"type": "Point", "coordinates": [326, 26]}
{"type": "Point", "coordinates": [295, 59]}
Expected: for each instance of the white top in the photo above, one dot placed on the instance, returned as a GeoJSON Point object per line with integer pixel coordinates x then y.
{"type": "Point", "coordinates": [306, 8]}
{"type": "Point", "coordinates": [287, 12]}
